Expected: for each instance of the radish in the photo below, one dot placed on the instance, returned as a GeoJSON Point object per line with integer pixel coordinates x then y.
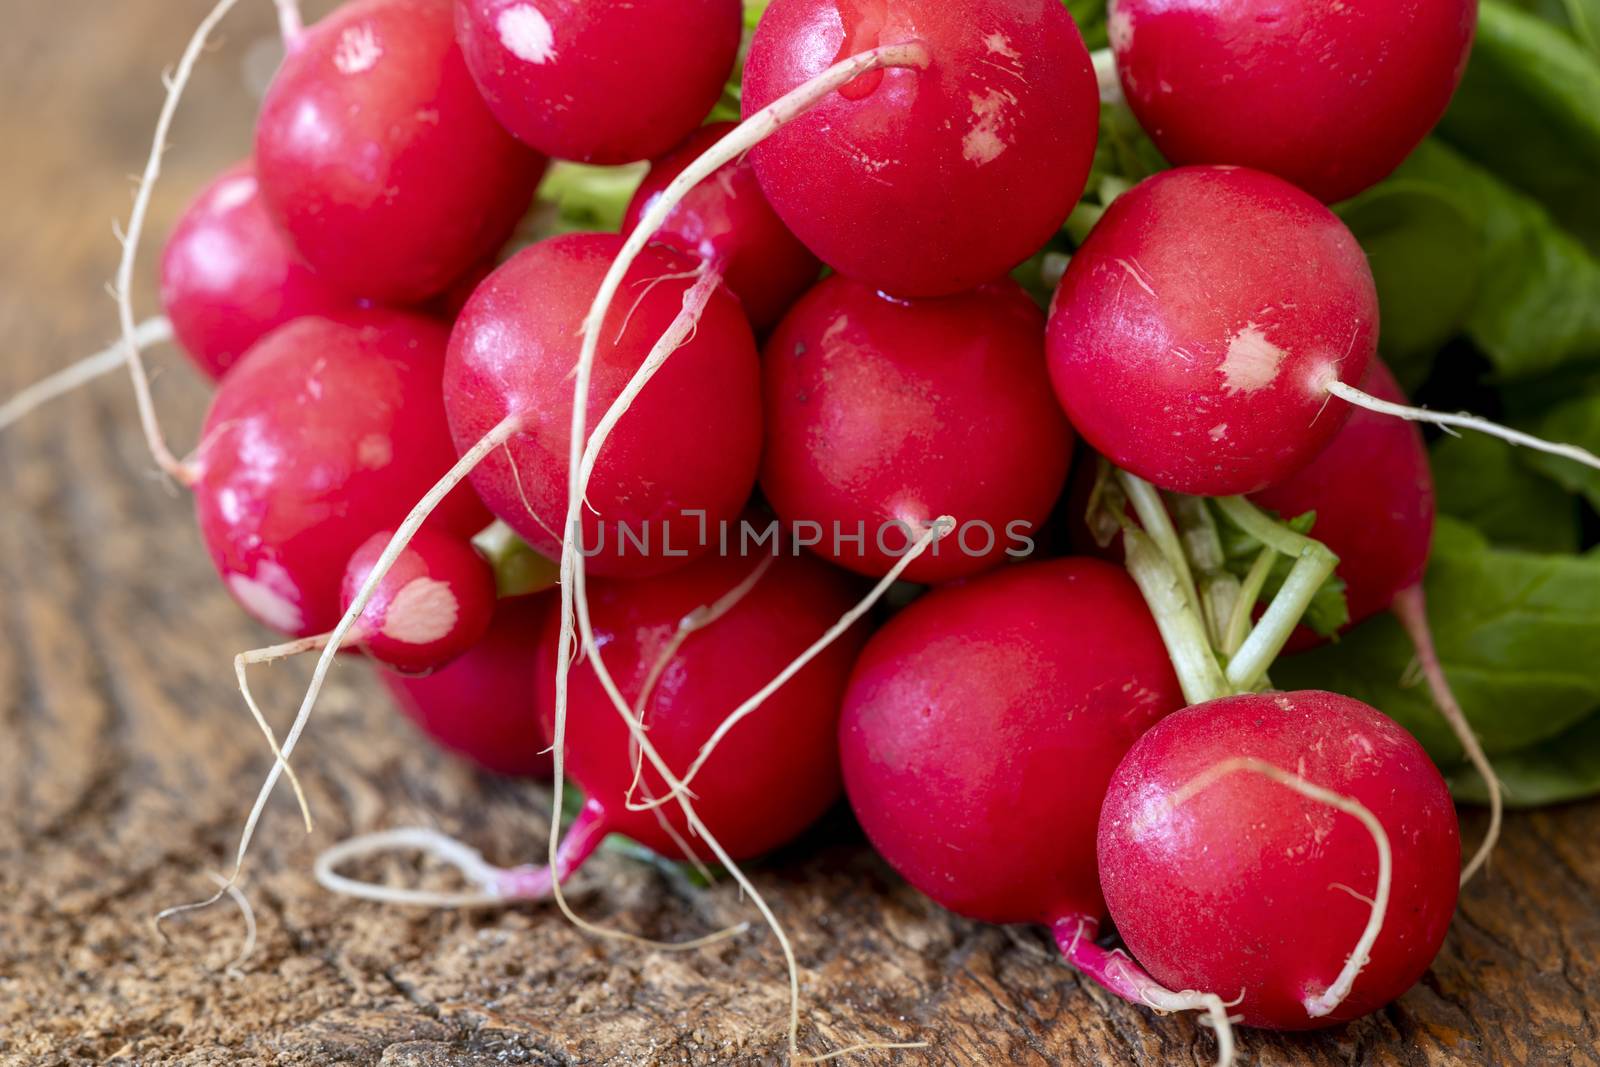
{"type": "Point", "coordinates": [882, 414]}
{"type": "Point", "coordinates": [229, 277]}
{"type": "Point", "coordinates": [728, 223]}
{"type": "Point", "coordinates": [686, 455]}
{"type": "Point", "coordinates": [434, 604]}
{"type": "Point", "coordinates": [1209, 333]}
{"type": "Point", "coordinates": [603, 81]}
{"type": "Point", "coordinates": [926, 181]}
{"type": "Point", "coordinates": [1211, 865]}
{"type": "Point", "coordinates": [1372, 492]}
{"type": "Point", "coordinates": [1331, 96]}
{"type": "Point", "coordinates": [380, 160]}
{"type": "Point", "coordinates": [320, 438]}
{"type": "Point", "coordinates": [982, 725]}
{"type": "Point", "coordinates": [481, 704]}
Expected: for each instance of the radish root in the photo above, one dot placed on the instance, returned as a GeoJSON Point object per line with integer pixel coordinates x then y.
{"type": "Point", "coordinates": [1324, 1003]}
{"type": "Point", "coordinates": [1463, 421]}
{"type": "Point", "coordinates": [290, 24]}
{"type": "Point", "coordinates": [1411, 608]}
{"type": "Point", "coordinates": [176, 83]}
{"type": "Point", "coordinates": [147, 334]}
{"type": "Point", "coordinates": [241, 666]}
{"type": "Point", "coordinates": [1120, 975]}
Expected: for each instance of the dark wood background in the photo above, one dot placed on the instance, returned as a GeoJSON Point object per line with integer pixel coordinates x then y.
{"type": "Point", "coordinates": [127, 762]}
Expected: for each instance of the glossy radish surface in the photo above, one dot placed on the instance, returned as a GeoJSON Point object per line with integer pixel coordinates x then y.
{"type": "Point", "coordinates": [982, 724]}
{"type": "Point", "coordinates": [1196, 332]}
{"type": "Point", "coordinates": [1247, 887]}
{"type": "Point", "coordinates": [689, 444]}
{"type": "Point", "coordinates": [883, 411]}
{"type": "Point", "coordinates": [602, 81]}
{"type": "Point", "coordinates": [378, 157]}
{"type": "Point", "coordinates": [482, 705]}
{"type": "Point", "coordinates": [777, 770]}
{"type": "Point", "coordinates": [727, 222]}
{"type": "Point", "coordinates": [925, 182]}
{"type": "Point", "coordinates": [1372, 490]}
{"type": "Point", "coordinates": [1330, 95]}
{"type": "Point", "coordinates": [229, 275]}
{"type": "Point", "coordinates": [327, 433]}
{"type": "Point", "coordinates": [434, 603]}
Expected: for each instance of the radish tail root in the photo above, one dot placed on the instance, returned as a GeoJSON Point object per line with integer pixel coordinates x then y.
{"type": "Point", "coordinates": [493, 885]}
{"type": "Point", "coordinates": [490, 441]}
{"type": "Point", "coordinates": [1324, 1003]}
{"type": "Point", "coordinates": [176, 82]}
{"type": "Point", "coordinates": [1120, 975]}
{"type": "Point", "coordinates": [241, 666]}
{"type": "Point", "coordinates": [290, 23]}
{"type": "Point", "coordinates": [1411, 608]}
{"type": "Point", "coordinates": [1464, 421]}
{"type": "Point", "coordinates": [146, 335]}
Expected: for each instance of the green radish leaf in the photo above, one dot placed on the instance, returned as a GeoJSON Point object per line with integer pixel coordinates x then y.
{"type": "Point", "coordinates": [1580, 18]}
{"type": "Point", "coordinates": [1562, 769]}
{"type": "Point", "coordinates": [587, 198]}
{"type": "Point", "coordinates": [1492, 486]}
{"type": "Point", "coordinates": [1529, 110]}
{"type": "Point", "coordinates": [1328, 612]}
{"type": "Point", "coordinates": [1575, 422]}
{"type": "Point", "coordinates": [1518, 634]}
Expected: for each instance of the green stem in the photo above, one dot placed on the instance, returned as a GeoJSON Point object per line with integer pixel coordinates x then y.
{"type": "Point", "coordinates": [1249, 593]}
{"type": "Point", "coordinates": [1219, 590]}
{"type": "Point", "coordinates": [1152, 514]}
{"type": "Point", "coordinates": [1180, 624]}
{"type": "Point", "coordinates": [1314, 567]}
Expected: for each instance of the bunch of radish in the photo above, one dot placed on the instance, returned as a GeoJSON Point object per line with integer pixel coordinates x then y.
{"type": "Point", "coordinates": [1051, 740]}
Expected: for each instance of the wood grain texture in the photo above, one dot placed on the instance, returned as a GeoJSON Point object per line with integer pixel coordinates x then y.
{"type": "Point", "coordinates": [127, 762]}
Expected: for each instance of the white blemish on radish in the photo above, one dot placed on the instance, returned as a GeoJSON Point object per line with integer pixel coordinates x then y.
{"type": "Point", "coordinates": [1252, 362]}
{"type": "Point", "coordinates": [266, 596]}
{"type": "Point", "coordinates": [358, 50]}
{"type": "Point", "coordinates": [234, 193]}
{"type": "Point", "coordinates": [1119, 28]}
{"type": "Point", "coordinates": [1000, 45]}
{"type": "Point", "coordinates": [374, 451]}
{"type": "Point", "coordinates": [984, 141]}
{"type": "Point", "coordinates": [1219, 431]}
{"type": "Point", "coordinates": [526, 34]}
{"type": "Point", "coordinates": [1136, 274]}
{"type": "Point", "coordinates": [424, 611]}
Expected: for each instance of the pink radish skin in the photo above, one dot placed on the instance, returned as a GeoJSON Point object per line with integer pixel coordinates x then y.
{"type": "Point", "coordinates": [690, 442]}
{"type": "Point", "coordinates": [326, 433]}
{"type": "Point", "coordinates": [1329, 96]}
{"type": "Point", "coordinates": [229, 276]}
{"type": "Point", "coordinates": [1196, 333]}
{"type": "Point", "coordinates": [481, 705]}
{"type": "Point", "coordinates": [434, 603]}
{"type": "Point", "coordinates": [1372, 490]}
{"type": "Point", "coordinates": [727, 222]}
{"type": "Point", "coordinates": [379, 158]}
{"type": "Point", "coordinates": [926, 182]}
{"type": "Point", "coordinates": [602, 81]}
{"type": "Point", "coordinates": [982, 724]}
{"type": "Point", "coordinates": [776, 771]}
{"type": "Point", "coordinates": [881, 411]}
{"type": "Point", "coordinates": [1249, 888]}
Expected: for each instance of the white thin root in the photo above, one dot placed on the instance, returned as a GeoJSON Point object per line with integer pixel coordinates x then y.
{"type": "Point", "coordinates": [291, 26]}
{"type": "Point", "coordinates": [241, 665]}
{"type": "Point", "coordinates": [468, 861]}
{"type": "Point", "coordinates": [242, 902]}
{"type": "Point", "coordinates": [1324, 1003]}
{"type": "Point", "coordinates": [146, 335]}
{"type": "Point", "coordinates": [1411, 608]}
{"type": "Point", "coordinates": [425, 507]}
{"type": "Point", "coordinates": [1463, 421]}
{"type": "Point", "coordinates": [123, 288]}
{"type": "Point", "coordinates": [936, 529]}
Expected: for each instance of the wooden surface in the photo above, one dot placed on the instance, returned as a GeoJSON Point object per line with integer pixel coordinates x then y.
{"type": "Point", "coordinates": [127, 763]}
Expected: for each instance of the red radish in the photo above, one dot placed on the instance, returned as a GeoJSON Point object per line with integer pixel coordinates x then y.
{"type": "Point", "coordinates": [685, 455]}
{"type": "Point", "coordinates": [482, 704]}
{"type": "Point", "coordinates": [1211, 867]}
{"type": "Point", "coordinates": [1372, 491]}
{"type": "Point", "coordinates": [324, 435]}
{"type": "Point", "coordinates": [882, 411]}
{"type": "Point", "coordinates": [727, 222]}
{"type": "Point", "coordinates": [434, 604]}
{"type": "Point", "coordinates": [925, 182]}
{"type": "Point", "coordinates": [602, 81]}
{"type": "Point", "coordinates": [379, 158]}
{"type": "Point", "coordinates": [1197, 332]}
{"type": "Point", "coordinates": [229, 277]}
{"type": "Point", "coordinates": [982, 724]}
{"type": "Point", "coordinates": [1331, 96]}
{"type": "Point", "coordinates": [777, 770]}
